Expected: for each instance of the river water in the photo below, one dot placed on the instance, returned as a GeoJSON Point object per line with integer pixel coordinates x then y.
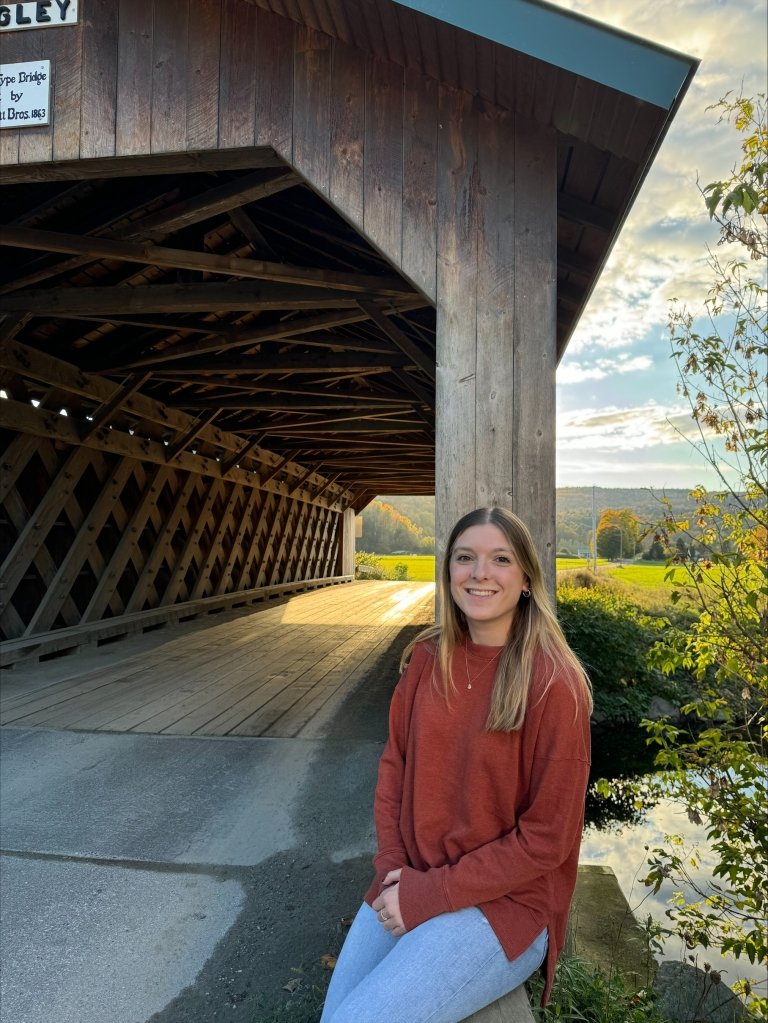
{"type": "Point", "coordinates": [616, 836]}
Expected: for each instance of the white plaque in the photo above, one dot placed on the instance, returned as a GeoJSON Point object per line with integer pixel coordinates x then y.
{"type": "Point", "coordinates": [45, 14]}
{"type": "Point", "coordinates": [25, 94]}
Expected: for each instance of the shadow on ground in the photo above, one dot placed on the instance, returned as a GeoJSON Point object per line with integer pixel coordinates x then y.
{"type": "Point", "coordinates": [295, 900]}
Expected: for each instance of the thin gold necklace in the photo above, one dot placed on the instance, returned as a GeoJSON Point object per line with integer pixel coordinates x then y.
{"type": "Point", "coordinates": [476, 676]}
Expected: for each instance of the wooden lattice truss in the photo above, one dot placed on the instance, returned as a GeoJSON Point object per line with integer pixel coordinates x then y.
{"type": "Point", "coordinates": [116, 504]}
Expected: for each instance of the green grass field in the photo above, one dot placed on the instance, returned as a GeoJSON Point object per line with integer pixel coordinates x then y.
{"type": "Point", "coordinates": [421, 567]}
{"type": "Point", "coordinates": [642, 581]}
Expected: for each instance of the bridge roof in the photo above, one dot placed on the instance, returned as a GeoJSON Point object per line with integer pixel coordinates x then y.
{"type": "Point", "coordinates": [235, 294]}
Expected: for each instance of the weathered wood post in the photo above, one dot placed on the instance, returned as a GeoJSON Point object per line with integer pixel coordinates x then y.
{"type": "Point", "coordinates": [496, 319]}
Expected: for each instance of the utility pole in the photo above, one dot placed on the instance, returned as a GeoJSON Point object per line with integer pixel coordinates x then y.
{"type": "Point", "coordinates": [594, 533]}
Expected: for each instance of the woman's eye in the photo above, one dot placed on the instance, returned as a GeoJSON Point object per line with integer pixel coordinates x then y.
{"type": "Point", "coordinates": [504, 560]}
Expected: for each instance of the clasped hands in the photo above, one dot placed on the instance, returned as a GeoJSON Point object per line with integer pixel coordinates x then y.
{"type": "Point", "coordinates": [387, 904]}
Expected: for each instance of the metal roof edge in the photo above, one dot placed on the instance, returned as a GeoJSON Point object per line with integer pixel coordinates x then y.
{"type": "Point", "coordinates": [588, 48]}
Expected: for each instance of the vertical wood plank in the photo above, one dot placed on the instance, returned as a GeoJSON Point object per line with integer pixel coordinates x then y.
{"type": "Point", "coordinates": [169, 76]}
{"type": "Point", "coordinates": [456, 437]}
{"type": "Point", "coordinates": [273, 55]}
{"type": "Point", "coordinates": [347, 545]}
{"type": "Point", "coordinates": [311, 114]}
{"type": "Point", "coordinates": [97, 128]}
{"type": "Point", "coordinates": [535, 330]}
{"type": "Point", "coordinates": [496, 382]}
{"type": "Point", "coordinates": [420, 120]}
{"type": "Point", "coordinates": [134, 77]}
{"type": "Point", "coordinates": [35, 143]}
{"type": "Point", "coordinates": [383, 171]}
{"type": "Point", "coordinates": [204, 56]}
{"type": "Point", "coordinates": [347, 130]}
{"type": "Point", "coordinates": [237, 96]}
{"type": "Point", "coordinates": [67, 88]}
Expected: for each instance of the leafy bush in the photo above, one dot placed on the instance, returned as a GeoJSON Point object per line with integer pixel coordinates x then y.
{"type": "Point", "coordinates": [368, 566]}
{"type": "Point", "coordinates": [578, 579]}
{"type": "Point", "coordinates": [613, 637]}
{"type": "Point", "coordinates": [400, 571]}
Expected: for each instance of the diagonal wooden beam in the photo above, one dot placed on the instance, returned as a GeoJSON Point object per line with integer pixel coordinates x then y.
{"type": "Point", "coordinates": [103, 414]}
{"type": "Point", "coordinates": [190, 211]}
{"type": "Point", "coordinates": [207, 262]}
{"type": "Point", "coordinates": [399, 338]}
{"type": "Point", "coordinates": [190, 434]}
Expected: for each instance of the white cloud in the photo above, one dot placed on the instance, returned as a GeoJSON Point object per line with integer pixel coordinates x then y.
{"type": "Point", "coordinates": [617, 430]}
{"type": "Point", "coordinates": [572, 372]}
{"type": "Point", "coordinates": [660, 255]}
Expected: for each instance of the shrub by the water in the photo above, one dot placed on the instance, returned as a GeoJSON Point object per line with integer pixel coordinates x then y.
{"type": "Point", "coordinates": [613, 637]}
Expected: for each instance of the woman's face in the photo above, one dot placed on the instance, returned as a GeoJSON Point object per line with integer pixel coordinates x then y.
{"type": "Point", "coordinates": [486, 582]}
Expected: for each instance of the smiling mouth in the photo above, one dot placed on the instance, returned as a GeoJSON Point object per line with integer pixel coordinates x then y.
{"type": "Point", "coordinates": [481, 593]}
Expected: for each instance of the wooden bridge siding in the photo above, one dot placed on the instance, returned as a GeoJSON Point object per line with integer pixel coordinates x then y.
{"type": "Point", "coordinates": [112, 535]}
{"type": "Point", "coordinates": [458, 194]}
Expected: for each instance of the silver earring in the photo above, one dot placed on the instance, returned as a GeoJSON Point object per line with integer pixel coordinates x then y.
{"type": "Point", "coordinates": [526, 593]}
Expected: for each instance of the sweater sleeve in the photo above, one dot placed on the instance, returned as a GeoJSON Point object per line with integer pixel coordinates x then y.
{"type": "Point", "coordinates": [543, 836]}
{"type": "Point", "coordinates": [391, 853]}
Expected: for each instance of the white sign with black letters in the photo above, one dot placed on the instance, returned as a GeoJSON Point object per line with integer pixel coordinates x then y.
{"type": "Point", "coordinates": [44, 14]}
{"type": "Point", "coordinates": [25, 94]}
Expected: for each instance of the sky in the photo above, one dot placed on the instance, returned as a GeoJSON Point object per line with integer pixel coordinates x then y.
{"type": "Point", "coordinates": [619, 414]}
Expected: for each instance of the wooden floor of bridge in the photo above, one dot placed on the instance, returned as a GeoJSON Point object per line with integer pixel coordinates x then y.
{"type": "Point", "coordinates": [265, 672]}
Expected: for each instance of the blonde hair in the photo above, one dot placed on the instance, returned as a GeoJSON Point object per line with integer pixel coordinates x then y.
{"type": "Point", "coordinates": [534, 633]}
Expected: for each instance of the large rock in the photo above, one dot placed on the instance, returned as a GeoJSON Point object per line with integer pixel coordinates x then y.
{"type": "Point", "coordinates": [512, 1008]}
{"type": "Point", "coordinates": [690, 995]}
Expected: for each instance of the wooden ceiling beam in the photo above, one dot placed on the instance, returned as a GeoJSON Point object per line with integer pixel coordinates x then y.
{"type": "Point", "coordinates": [292, 362]}
{"type": "Point", "coordinates": [267, 403]}
{"type": "Point", "coordinates": [172, 258]}
{"type": "Point", "coordinates": [182, 214]}
{"type": "Point", "coordinates": [277, 332]}
{"type": "Point", "coordinates": [585, 213]}
{"type": "Point", "coordinates": [173, 298]}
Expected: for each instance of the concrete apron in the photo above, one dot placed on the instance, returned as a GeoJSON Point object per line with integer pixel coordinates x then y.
{"type": "Point", "coordinates": [175, 879]}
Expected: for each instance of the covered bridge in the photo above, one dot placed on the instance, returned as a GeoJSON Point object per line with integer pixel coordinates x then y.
{"type": "Point", "coordinates": [264, 259]}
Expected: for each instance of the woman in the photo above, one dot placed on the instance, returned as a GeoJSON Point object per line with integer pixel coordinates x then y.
{"type": "Point", "coordinates": [480, 798]}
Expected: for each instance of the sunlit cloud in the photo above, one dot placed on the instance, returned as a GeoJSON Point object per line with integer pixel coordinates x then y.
{"type": "Point", "coordinates": [624, 429]}
{"type": "Point", "coordinates": [661, 254]}
{"type": "Point", "coordinates": [573, 372]}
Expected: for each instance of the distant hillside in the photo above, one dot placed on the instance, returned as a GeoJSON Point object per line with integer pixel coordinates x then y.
{"type": "Point", "coordinates": [387, 530]}
{"type": "Point", "coordinates": [574, 510]}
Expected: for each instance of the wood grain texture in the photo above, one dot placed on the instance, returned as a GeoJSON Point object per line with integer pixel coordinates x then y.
{"type": "Point", "coordinates": [273, 54]}
{"type": "Point", "coordinates": [534, 329]}
{"type": "Point", "coordinates": [419, 218]}
{"type": "Point", "coordinates": [312, 107]}
{"type": "Point", "coordinates": [169, 79]}
{"type": "Point", "coordinates": [456, 437]}
{"type": "Point", "coordinates": [202, 74]}
{"type": "Point", "coordinates": [134, 77]}
{"type": "Point", "coordinates": [238, 75]}
{"type": "Point", "coordinates": [99, 82]}
{"type": "Point", "coordinates": [383, 168]}
{"type": "Point", "coordinates": [346, 186]}
{"type": "Point", "coordinates": [496, 384]}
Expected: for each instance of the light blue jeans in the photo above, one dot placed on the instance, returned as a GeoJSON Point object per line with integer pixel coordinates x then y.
{"type": "Point", "coordinates": [440, 972]}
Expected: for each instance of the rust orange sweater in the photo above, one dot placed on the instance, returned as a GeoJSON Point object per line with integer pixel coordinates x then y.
{"type": "Point", "coordinates": [478, 818]}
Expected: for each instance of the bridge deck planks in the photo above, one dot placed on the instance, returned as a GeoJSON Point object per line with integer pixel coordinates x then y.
{"type": "Point", "coordinates": [265, 671]}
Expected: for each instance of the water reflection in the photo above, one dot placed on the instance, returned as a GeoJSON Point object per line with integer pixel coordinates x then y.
{"type": "Point", "coordinates": [618, 835]}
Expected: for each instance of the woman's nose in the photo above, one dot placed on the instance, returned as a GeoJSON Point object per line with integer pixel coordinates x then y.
{"type": "Point", "coordinates": [480, 568]}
